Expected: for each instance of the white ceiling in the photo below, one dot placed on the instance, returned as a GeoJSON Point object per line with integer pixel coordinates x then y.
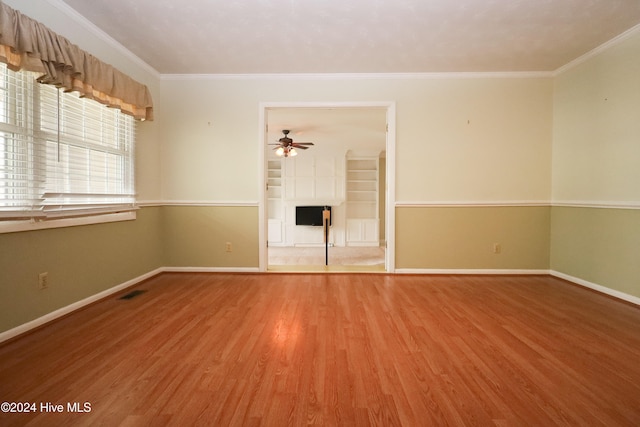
{"type": "Point", "coordinates": [359, 36]}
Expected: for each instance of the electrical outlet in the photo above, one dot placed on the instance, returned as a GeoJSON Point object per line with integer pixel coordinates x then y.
{"type": "Point", "coordinates": [43, 280]}
{"type": "Point", "coordinates": [497, 248]}
{"type": "Point", "coordinates": [228, 247]}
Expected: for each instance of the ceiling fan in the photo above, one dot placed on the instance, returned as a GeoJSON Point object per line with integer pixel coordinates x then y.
{"type": "Point", "coordinates": [287, 148]}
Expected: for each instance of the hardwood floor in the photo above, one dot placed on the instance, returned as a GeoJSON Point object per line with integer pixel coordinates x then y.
{"type": "Point", "coordinates": [336, 349]}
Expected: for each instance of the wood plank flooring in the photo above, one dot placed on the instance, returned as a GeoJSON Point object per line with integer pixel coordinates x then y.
{"type": "Point", "coordinates": [334, 349]}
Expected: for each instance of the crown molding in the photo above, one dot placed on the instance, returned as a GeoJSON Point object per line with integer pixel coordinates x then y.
{"type": "Point", "coordinates": [92, 28]}
{"type": "Point", "coordinates": [598, 50]}
{"type": "Point", "coordinates": [72, 13]}
{"type": "Point", "coordinates": [365, 76]}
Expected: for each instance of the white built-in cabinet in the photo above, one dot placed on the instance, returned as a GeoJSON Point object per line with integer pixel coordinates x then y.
{"type": "Point", "coordinates": [314, 180]}
{"type": "Point", "coordinates": [362, 215]}
{"type": "Point", "coordinates": [349, 184]}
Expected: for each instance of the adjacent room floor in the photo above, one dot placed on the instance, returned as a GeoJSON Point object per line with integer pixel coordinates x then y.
{"type": "Point", "coordinates": [349, 258]}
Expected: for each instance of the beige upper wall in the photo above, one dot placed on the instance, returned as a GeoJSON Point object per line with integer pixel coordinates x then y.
{"type": "Point", "coordinates": [596, 152]}
{"type": "Point", "coordinates": [480, 139]}
{"type": "Point", "coordinates": [498, 131]}
{"type": "Point", "coordinates": [458, 139]}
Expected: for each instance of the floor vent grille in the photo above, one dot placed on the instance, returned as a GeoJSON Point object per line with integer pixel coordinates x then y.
{"type": "Point", "coordinates": [132, 294]}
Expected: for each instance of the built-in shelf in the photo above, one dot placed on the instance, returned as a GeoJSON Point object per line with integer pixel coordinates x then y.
{"type": "Point", "coordinates": [274, 189]}
{"type": "Point", "coordinates": [362, 186]}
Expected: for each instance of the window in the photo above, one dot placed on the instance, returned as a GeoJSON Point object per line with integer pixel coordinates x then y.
{"type": "Point", "coordinates": [61, 155]}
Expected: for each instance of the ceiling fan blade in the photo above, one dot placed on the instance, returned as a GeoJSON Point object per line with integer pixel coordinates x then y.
{"type": "Point", "coordinates": [302, 147]}
{"type": "Point", "coordinates": [304, 143]}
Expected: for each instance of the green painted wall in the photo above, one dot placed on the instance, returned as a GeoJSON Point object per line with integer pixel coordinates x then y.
{"type": "Point", "coordinates": [81, 261]}
{"type": "Point", "coordinates": [85, 260]}
{"type": "Point", "coordinates": [197, 236]}
{"type": "Point", "coordinates": [601, 246]}
{"type": "Point", "coordinates": [464, 237]}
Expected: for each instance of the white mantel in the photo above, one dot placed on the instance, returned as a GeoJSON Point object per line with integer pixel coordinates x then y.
{"type": "Point", "coordinates": [348, 184]}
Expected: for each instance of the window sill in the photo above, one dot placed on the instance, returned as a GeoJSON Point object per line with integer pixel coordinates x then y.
{"type": "Point", "coordinates": [32, 225]}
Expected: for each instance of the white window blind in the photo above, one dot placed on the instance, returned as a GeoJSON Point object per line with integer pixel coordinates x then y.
{"type": "Point", "coordinates": [61, 155]}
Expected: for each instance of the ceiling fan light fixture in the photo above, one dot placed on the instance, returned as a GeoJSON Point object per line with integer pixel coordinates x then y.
{"type": "Point", "coordinates": [287, 147]}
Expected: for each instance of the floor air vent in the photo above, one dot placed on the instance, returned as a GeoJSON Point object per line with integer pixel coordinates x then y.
{"type": "Point", "coordinates": [132, 294]}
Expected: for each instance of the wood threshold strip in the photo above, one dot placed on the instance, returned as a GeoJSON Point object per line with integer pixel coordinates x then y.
{"type": "Point", "coordinates": [355, 349]}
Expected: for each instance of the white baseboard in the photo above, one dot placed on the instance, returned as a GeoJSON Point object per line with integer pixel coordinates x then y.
{"type": "Point", "coordinates": [210, 270]}
{"type": "Point", "coordinates": [454, 271]}
{"type": "Point", "coordinates": [26, 327]}
{"type": "Point", "coordinates": [602, 289]}
{"type": "Point", "coordinates": [599, 288]}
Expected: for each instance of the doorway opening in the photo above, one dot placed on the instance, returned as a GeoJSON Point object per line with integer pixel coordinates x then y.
{"type": "Point", "coordinates": [350, 166]}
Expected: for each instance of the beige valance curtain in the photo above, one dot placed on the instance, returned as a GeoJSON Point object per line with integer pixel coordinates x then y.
{"type": "Point", "coordinates": [29, 45]}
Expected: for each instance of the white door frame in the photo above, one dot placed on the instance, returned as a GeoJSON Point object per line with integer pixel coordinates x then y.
{"type": "Point", "coordinates": [390, 215]}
